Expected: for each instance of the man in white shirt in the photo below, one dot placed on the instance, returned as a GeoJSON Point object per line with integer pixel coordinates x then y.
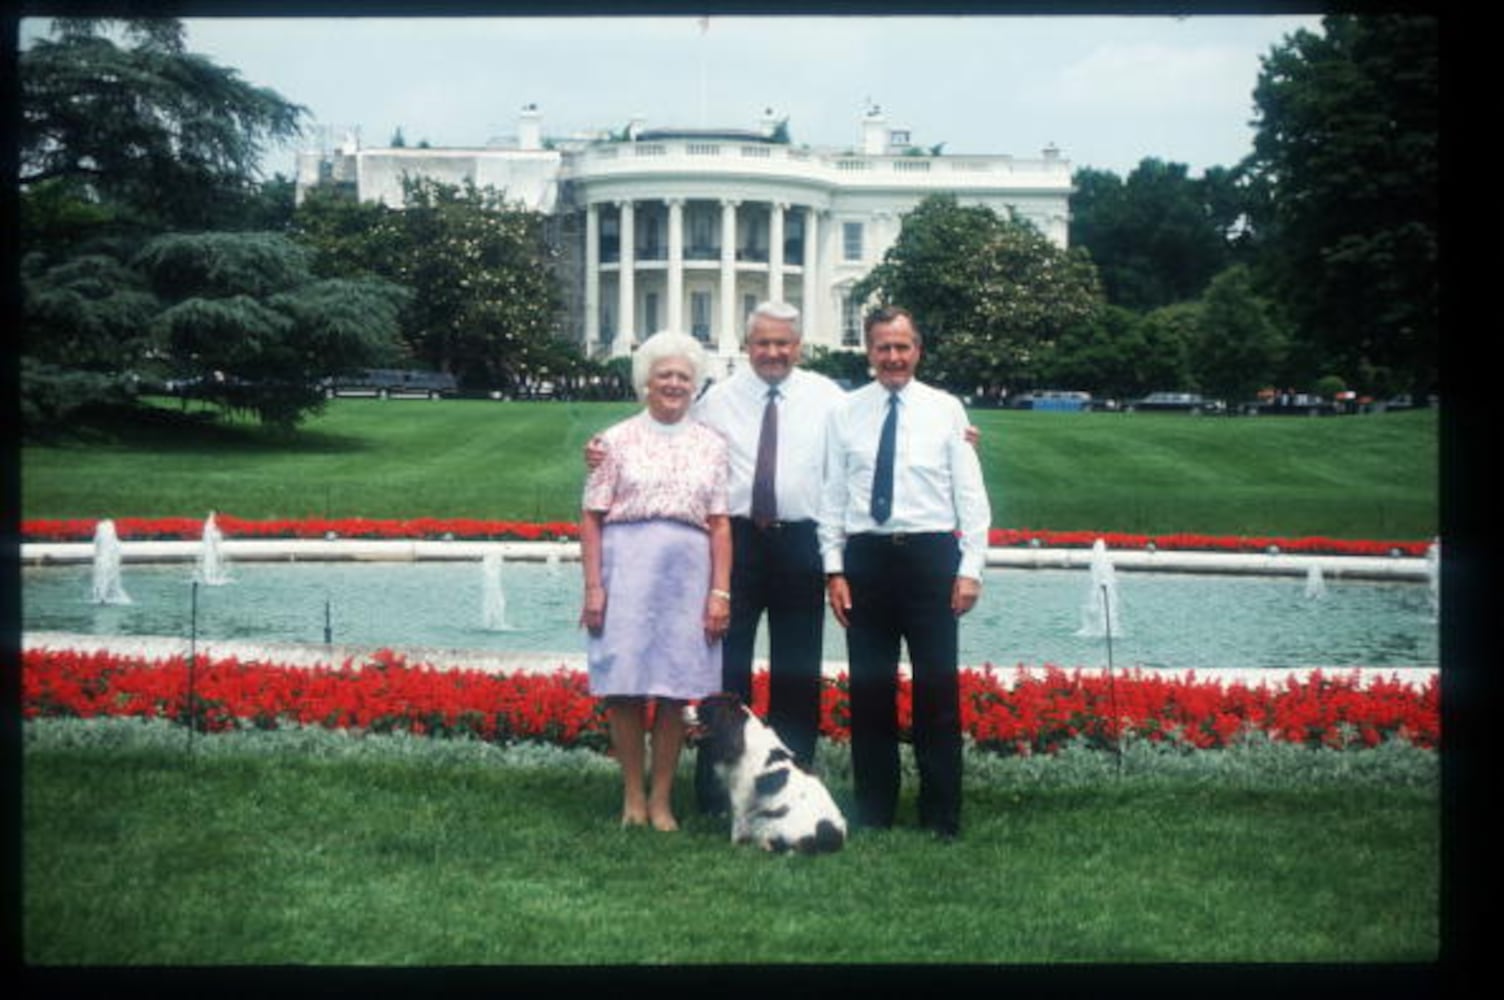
{"type": "Point", "coordinates": [904, 562]}
{"type": "Point", "coordinates": [775, 566]}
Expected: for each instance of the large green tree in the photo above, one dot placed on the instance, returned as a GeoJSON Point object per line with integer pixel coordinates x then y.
{"type": "Point", "coordinates": [121, 136]}
{"type": "Point", "coordinates": [486, 304]}
{"type": "Point", "coordinates": [1159, 236]}
{"type": "Point", "coordinates": [1241, 347]}
{"type": "Point", "coordinates": [991, 294]}
{"type": "Point", "coordinates": [1116, 354]}
{"type": "Point", "coordinates": [1346, 143]}
{"type": "Point", "coordinates": [248, 325]}
{"type": "Point", "coordinates": [164, 137]}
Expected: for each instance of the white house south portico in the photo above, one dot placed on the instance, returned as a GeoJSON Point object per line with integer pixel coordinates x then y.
{"type": "Point", "coordinates": [689, 228]}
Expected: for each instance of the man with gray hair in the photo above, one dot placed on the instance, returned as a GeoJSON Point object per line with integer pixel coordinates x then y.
{"type": "Point", "coordinates": [772, 414]}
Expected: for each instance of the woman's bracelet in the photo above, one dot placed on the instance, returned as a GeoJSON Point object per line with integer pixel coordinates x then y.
{"type": "Point", "coordinates": [722, 594]}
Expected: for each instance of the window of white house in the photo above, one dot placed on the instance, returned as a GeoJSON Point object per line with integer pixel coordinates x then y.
{"type": "Point", "coordinates": [650, 313]}
{"type": "Point", "coordinates": [851, 321]}
{"type": "Point", "coordinates": [851, 240]}
{"type": "Point", "coordinates": [699, 315]}
{"type": "Point", "coordinates": [702, 236]}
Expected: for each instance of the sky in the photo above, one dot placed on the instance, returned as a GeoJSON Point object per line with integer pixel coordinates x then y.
{"type": "Point", "coordinates": [1106, 91]}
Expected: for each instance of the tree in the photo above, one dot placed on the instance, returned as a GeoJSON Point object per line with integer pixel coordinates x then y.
{"type": "Point", "coordinates": [1240, 348]}
{"type": "Point", "coordinates": [1107, 354]}
{"type": "Point", "coordinates": [1158, 237]}
{"type": "Point", "coordinates": [117, 143]}
{"type": "Point", "coordinates": [165, 132]}
{"type": "Point", "coordinates": [990, 294]}
{"type": "Point", "coordinates": [84, 337]}
{"type": "Point", "coordinates": [249, 325]}
{"type": "Point", "coordinates": [1171, 334]}
{"type": "Point", "coordinates": [1346, 141]}
{"type": "Point", "coordinates": [486, 303]}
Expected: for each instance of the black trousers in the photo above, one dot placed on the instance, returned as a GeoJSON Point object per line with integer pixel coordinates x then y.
{"type": "Point", "coordinates": [777, 571]}
{"type": "Point", "coordinates": [900, 592]}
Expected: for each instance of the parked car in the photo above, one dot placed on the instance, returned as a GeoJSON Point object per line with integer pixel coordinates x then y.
{"type": "Point", "coordinates": [1055, 400]}
{"type": "Point", "coordinates": [392, 383]}
{"type": "Point", "coordinates": [1183, 402]}
{"type": "Point", "coordinates": [1291, 404]}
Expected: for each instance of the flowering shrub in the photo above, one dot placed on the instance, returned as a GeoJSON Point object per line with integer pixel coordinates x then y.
{"type": "Point", "coordinates": [159, 528]}
{"type": "Point", "coordinates": [1037, 713]}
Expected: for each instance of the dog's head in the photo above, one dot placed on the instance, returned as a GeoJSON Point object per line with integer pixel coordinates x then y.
{"type": "Point", "coordinates": [716, 725]}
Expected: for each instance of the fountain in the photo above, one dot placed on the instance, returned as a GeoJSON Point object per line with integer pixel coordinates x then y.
{"type": "Point", "coordinates": [1180, 621]}
{"type": "Point", "coordinates": [1099, 608]}
{"type": "Point", "coordinates": [493, 612]}
{"type": "Point", "coordinates": [1315, 583]}
{"type": "Point", "coordinates": [107, 586]}
{"type": "Point", "coordinates": [213, 567]}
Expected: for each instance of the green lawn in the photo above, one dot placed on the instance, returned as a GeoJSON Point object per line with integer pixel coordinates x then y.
{"type": "Point", "coordinates": [1354, 477]}
{"type": "Point", "coordinates": [310, 847]}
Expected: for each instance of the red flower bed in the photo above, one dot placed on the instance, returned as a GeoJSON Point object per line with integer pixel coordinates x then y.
{"type": "Point", "coordinates": [139, 528]}
{"type": "Point", "coordinates": [1038, 713]}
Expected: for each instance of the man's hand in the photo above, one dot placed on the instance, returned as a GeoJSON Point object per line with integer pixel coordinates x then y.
{"type": "Point", "coordinates": [964, 594]}
{"type": "Point", "coordinates": [840, 597]}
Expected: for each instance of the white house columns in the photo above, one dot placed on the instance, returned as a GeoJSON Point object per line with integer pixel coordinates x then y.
{"type": "Point", "coordinates": [592, 276]}
{"type": "Point", "coordinates": [767, 250]}
{"type": "Point", "coordinates": [675, 264]}
{"type": "Point", "coordinates": [728, 337]}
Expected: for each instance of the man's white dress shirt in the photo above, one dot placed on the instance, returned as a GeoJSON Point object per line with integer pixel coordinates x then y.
{"type": "Point", "coordinates": [806, 399]}
{"type": "Point", "coordinates": [937, 479]}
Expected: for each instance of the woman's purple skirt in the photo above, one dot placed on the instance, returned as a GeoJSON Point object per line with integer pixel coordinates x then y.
{"type": "Point", "coordinates": [657, 576]}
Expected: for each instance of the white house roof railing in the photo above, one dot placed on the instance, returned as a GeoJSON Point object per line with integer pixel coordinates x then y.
{"type": "Point", "coordinates": [615, 161]}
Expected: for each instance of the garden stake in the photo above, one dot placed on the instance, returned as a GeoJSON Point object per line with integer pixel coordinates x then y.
{"type": "Point", "coordinates": [192, 658]}
{"type": "Point", "coordinates": [1112, 684]}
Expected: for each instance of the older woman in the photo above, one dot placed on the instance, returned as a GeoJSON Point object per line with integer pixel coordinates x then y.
{"type": "Point", "coordinates": [655, 542]}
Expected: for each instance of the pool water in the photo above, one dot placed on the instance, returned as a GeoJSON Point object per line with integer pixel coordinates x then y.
{"type": "Point", "coordinates": [1033, 617]}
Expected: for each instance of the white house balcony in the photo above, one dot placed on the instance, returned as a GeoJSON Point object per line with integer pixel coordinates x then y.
{"type": "Point", "coordinates": [602, 163]}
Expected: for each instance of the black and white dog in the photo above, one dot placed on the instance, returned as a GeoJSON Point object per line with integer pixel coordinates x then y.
{"type": "Point", "coordinates": [774, 803]}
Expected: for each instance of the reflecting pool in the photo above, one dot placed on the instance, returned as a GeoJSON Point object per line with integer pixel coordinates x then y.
{"type": "Point", "coordinates": [1033, 617]}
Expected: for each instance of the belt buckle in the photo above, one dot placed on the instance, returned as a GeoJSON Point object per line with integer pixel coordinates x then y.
{"type": "Point", "coordinates": [900, 537]}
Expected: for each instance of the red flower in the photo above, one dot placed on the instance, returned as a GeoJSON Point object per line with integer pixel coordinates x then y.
{"type": "Point", "coordinates": [1037, 713]}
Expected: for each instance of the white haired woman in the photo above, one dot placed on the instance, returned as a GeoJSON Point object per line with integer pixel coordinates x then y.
{"type": "Point", "coordinates": [655, 542]}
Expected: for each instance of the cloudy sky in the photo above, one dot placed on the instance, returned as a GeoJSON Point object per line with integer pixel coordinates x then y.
{"type": "Point", "coordinates": [1108, 91]}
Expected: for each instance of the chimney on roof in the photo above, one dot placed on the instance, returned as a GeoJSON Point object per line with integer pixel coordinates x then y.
{"type": "Point", "coordinates": [530, 128]}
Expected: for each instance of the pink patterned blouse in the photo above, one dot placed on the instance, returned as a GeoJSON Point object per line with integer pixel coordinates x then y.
{"type": "Point", "coordinates": [652, 470]}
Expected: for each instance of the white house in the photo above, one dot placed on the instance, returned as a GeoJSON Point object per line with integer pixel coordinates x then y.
{"type": "Point", "coordinates": [689, 228]}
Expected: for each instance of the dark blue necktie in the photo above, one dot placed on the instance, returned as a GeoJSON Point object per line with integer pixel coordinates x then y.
{"type": "Point", "coordinates": [882, 474]}
{"type": "Point", "coordinates": [764, 477]}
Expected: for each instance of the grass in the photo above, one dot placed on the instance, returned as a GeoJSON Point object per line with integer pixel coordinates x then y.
{"type": "Point", "coordinates": [1352, 477]}
{"type": "Point", "coordinates": [312, 847]}
{"type": "Point", "coordinates": [308, 847]}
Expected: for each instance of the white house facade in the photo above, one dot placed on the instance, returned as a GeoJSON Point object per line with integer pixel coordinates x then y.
{"type": "Point", "coordinates": [689, 228]}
